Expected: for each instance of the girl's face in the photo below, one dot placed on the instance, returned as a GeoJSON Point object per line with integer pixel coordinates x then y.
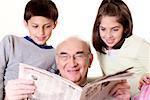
{"type": "Point", "coordinates": [110, 31]}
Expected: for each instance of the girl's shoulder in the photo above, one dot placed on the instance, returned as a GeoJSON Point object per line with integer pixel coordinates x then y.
{"type": "Point", "coordinates": [136, 40]}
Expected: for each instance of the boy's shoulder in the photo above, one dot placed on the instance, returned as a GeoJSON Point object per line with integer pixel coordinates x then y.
{"type": "Point", "coordinates": [10, 37]}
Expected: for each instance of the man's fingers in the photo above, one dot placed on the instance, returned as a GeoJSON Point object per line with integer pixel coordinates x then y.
{"type": "Point", "coordinates": [21, 81]}
{"type": "Point", "coordinates": [19, 89]}
{"type": "Point", "coordinates": [18, 97]}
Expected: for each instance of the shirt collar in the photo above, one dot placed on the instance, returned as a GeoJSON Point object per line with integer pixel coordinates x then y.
{"type": "Point", "coordinates": [41, 46]}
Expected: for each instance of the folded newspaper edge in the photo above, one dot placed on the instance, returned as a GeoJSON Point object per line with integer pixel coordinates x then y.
{"type": "Point", "coordinates": [54, 87]}
{"type": "Point", "coordinates": [100, 88]}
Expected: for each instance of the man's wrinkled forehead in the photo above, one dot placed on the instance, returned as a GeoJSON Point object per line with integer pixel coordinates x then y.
{"type": "Point", "coordinates": [72, 44]}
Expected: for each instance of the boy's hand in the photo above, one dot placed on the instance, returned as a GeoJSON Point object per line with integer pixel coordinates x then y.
{"type": "Point", "coordinates": [121, 91]}
{"type": "Point", "coordinates": [19, 89]}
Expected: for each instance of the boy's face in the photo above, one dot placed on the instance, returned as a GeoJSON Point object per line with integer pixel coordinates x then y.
{"type": "Point", "coordinates": [73, 59]}
{"type": "Point", "coordinates": [40, 29]}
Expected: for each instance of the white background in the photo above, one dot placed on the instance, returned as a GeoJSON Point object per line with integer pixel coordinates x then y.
{"type": "Point", "coordinates": [76, 17]}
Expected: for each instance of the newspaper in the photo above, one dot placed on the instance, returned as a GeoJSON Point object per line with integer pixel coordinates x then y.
{"type": "Point", "coordinates": [54, 87]}
{"type": "Point", "coordinates": [100, 88]}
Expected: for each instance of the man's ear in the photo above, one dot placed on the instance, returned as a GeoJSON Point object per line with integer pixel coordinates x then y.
{"type": "Point", "coordinates": [90, 60]}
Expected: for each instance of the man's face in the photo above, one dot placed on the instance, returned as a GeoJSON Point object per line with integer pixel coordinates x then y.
{"type": "Point", "coordinates": [73, 59]}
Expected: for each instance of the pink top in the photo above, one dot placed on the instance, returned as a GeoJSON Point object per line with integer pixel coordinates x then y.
{"type": "Point", "coordinates": [144, 94]}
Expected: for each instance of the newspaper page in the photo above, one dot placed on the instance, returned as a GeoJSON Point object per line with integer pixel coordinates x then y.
{"type": "Point", "coordinates": [100, 89]}
{"type": "Point", "coordinates": [49, 86]}
{"type": "Point", "coordinates": [53, 87]}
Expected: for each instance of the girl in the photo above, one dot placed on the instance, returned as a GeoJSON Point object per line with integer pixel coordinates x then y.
{"type": "Point", "coordinates": [116, 46]}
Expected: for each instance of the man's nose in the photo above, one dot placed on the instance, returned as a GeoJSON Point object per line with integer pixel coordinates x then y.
{"type": "Point", "coordinates": [72, 61]}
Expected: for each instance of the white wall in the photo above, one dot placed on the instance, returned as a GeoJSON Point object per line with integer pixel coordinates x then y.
{"type": "Point", "coordinates": [75, 17]}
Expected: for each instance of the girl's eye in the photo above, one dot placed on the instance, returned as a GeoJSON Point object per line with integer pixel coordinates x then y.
{"type": "Point", "coordinates": [115, 29]}
{"type": "Point", "coordinates": [102, 29]}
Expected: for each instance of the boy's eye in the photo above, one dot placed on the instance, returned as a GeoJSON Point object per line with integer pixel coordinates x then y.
{"type": "Point", "coordinates": [35, 26]}
{"type": "Point", "coordinates": [48, 26]}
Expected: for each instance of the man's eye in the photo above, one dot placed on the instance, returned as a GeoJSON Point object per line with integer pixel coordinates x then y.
{"type": "Point", "coordinates": [79, 55]}
{"type": "Point", "coordinates": [63, 57]}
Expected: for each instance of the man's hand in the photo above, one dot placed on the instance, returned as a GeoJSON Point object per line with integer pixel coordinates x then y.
{"type": "Point", "coordinates": [19, 89]}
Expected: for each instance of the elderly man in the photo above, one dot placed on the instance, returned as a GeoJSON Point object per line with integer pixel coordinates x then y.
{"type": "Point", "coordinates": [74, 57]}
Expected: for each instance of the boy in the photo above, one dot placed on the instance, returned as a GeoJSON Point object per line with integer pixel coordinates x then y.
{"type": "Point", "coordinates": [40, 18]}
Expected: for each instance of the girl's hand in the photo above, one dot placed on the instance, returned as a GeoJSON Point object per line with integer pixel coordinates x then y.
{"type": "Point", "coordinates": [121, 91]}
{"type": "Point", "coordinates": [145, 79]}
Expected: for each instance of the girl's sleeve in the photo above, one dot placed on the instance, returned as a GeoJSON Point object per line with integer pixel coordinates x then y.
{"type": "Point", "coordinates": [144, 55]}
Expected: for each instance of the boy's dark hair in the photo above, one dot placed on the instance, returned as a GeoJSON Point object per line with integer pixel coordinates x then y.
{"type": "Point", "coordinates": [114, 8]}
{"type": "Point", "coordinates": [45, 8]}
